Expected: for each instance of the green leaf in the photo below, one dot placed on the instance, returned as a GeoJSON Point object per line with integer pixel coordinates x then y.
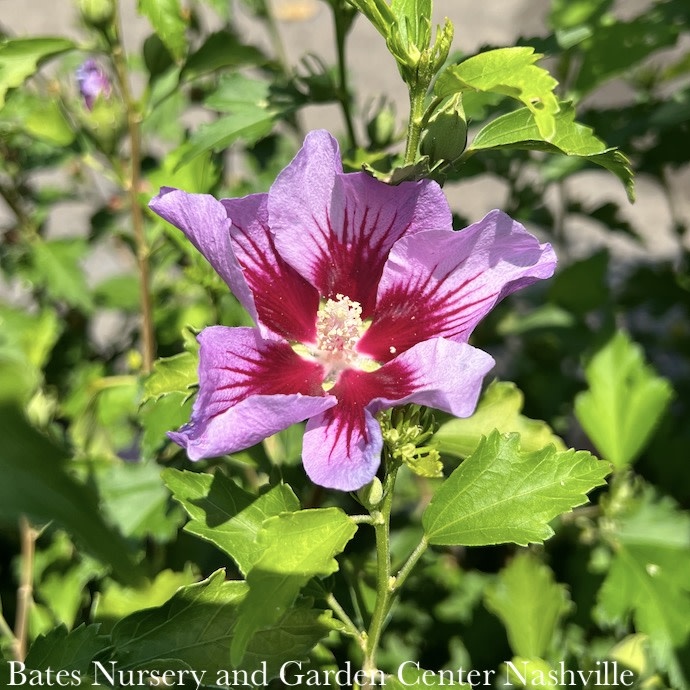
{"type": "Point", "coordinates": [530, 604]}
{"type": "Point", "coordinates": [176, 374]}
{"type": "Point", "coordinates": [197, 626]}
{"type": "Point", "coordinates": [249, 125]}
{"type": "Point", "coordinates": [159, 416]}
{"type": "Point", "coordinates": [510, 72]}
{"type": "Point", "coordinates": [116, 601]}
{"type": "Point", "coordinates": [36, 483]}
{"type": "Point", "coordinates": [499, 408]}
{"type": "Point", "coordinates": [62, 650]}
{"type": "Point", "coordinates": [296, 547]}
{"type": "Point", "coordinates": [502, 494]}
{"type": "Point", "coordinates": [21, 57]}
{"type": "Point", "coordinates": [31, 335]}
{"type": "Point", "coordinates": [648, 578]}
{"type": "Point", "coordinates": [624, 403]}
{"type": "Point", "coordinates": [118, 292]}
{"type": "Point", "coordinates": [519, 130]}
{"type": "Point", "coordinates": [226, 515]}
{"type": "Point", "coordinates": [136, 500]}
{"type": "Point", "coordinates": [220, 51]}
{"type": "Point", "coordinates": [168, 23]}
{"type": "Point", "coordinates": [413, 22]}
{"type": "Point", "coordinates": [57, 266]}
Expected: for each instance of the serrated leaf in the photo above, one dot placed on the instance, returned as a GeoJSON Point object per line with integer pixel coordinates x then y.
{"type": "Point", "coordinates": [36, 484]}
{"type": "Point", "coordinates": [502, 494]}
{"type": "Point", "coordinates": [196, 628]}
{"type": "Point", "coordinates": [510, 72]}
{"type": "Point", "coordinates": [60, 649]}
{"type": "Point", "coordinates": [648, 578]}
{"type": "Point", "coordinates": [226, 515]}
{"type": "Point", "coordinates": [499, 408]}
{"type": "Point", "coordinates": [624, 403]}
{"type": "Point", "coordinates": [530, 604]}
{"type": "Point", "coordinates": [21, 57]}
{"type": "Point", "coordinates": [176, 374]}
{"type": "Point", "coordinates": [519, 130]}
{"type": "Point", "coordinates": [296, 547]}
{"type": "Point", "coordinates": [168, 23]}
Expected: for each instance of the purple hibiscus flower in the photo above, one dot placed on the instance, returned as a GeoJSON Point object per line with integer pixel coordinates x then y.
{"type": "Point", "coordinates": [93, 82]}
{"type": "Point", "coordinates": [363, 298]}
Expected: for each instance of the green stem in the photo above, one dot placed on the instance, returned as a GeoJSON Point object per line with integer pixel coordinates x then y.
{"type": "Point", "coordinates": [25, 590]}
{"type": "Point", "coordinates": [410, 564]}
{"type": "Point", "coordinates": [341, 614]}
{"type": "Point", "coordinates": [415, 125]}
{"type": "Point", "coordinates": [384, 591]}
{"type": "Point", "coordinates": [133, 186]}
{"type": "Point", "coordinates": [342, 24]}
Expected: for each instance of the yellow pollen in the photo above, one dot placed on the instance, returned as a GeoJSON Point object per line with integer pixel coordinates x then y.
{"type": "Point", "coordinates": [339, 326]}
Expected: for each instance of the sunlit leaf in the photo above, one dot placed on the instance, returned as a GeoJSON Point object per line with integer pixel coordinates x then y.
{"type": "Point", "coordinates": [168, 22]}
{"type": "Point", "coordinates": [499, 408]}
{"type": "Point", "coordinates": [519, 130]}
{"type": "Point", "coordinates": [510, 72]}
{"type": "Point", "coordinates": [503, 494]}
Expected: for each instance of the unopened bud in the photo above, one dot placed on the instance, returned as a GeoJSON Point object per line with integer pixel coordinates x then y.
{"type": "Point", "coordinates": [445, 135]}
{"type": "Point", "coordinates": [97, 13]}
{"type": "Point", "coordinates": [371, 494]}
{"type": "Point", "coordinates": [93, 82]}
{"type": "Point", "coordinates": [381, 127]}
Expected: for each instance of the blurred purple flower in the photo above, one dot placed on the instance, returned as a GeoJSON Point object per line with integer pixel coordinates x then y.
{"type": "Point", "coordinates": [93, 82]}
{"type": "Point", "coordinates": [363, 298]}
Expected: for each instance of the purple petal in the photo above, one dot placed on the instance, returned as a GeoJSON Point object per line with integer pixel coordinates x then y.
{"type": "Point", "coordinates": [336, 229]}
{"type": "Point", "coordinates": [285, 302]}
{"type": "Point", "coordinates": [342, 446]}
{"type": "Point", "coordinates": [249, 389]}
{"type": "Point", "coordinates": [204, 220]}
{"type": "Point", "coordinates": [441, 284]}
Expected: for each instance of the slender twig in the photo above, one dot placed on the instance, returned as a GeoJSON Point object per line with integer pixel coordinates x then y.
{"type": "Point", "coordinates": [341, 25]}
{"type": "Point", "coordinates": [133, 187]}
{"type": "Point", "coordinates": [25, 590]}
{"type": "Point", "coordinates": [410, 564]}
{"type": "Point", "coordinates": [342, 616]}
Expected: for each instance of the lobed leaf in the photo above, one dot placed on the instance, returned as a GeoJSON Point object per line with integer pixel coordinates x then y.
{"type": "Point", "coordinates": [499, 408]}
{"type": "Point", "coordinates": [502, 494]}
{"type": "Point", "coordinates": [295, 547]}
{"type": "Point", "coordinates": [624, 403]}
{"type": "Point", "coordinates": [176, 374]}
{"type": "Point", "coordinates": [21, 57]}
{"type": "Point", "coordinates": [225, 514]}
{"type": "Point", "coordinates": [530, 604]}
{"type": "Point", "coordinates": [519, 129]}
{"type": "Point", "coordinates": [510, 72]}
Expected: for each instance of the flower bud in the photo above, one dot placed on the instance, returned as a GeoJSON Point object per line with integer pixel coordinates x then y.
{"type": "Point", "coordinates": [93, 82]}
{"type": "Point", "coordinates": [371, 494]}
{"type": "Point", "coordinates": [97, 13]}
{"type": "Point", "coordinates": [445, 135]}
{"type": "Point", "coordinates": [381, 128]}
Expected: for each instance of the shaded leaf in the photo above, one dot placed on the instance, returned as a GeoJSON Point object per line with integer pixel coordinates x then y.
{"type": "Point", "coordinates": [220, 50]}
{"type": "Point", "coordinates": [530, 604]}
{"type": "Point", "coordinates": [624, 403]}
{"type": "Point", "coordinates": [226, 515]}
{"type": "Point", "coordinates": [502, 494]}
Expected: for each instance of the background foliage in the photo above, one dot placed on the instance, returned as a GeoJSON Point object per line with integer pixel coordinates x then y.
{"type": "Point", "coordinates": [116, 548]}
